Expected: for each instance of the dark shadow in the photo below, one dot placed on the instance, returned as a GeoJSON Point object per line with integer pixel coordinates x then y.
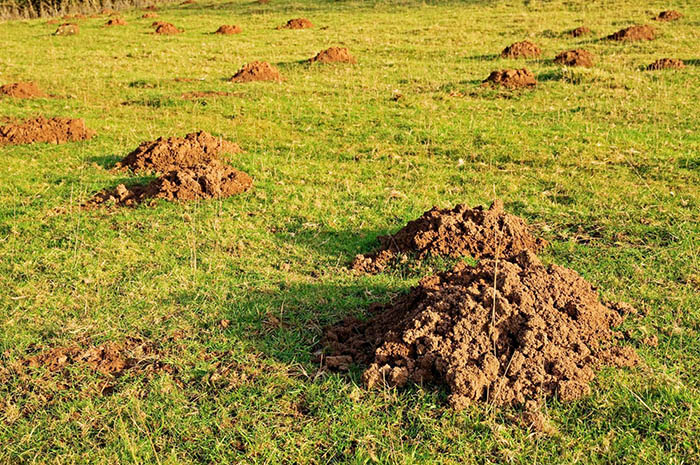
{"type": "Point", "coordinates": [493, 56]}
{"type": "Point", "coordinates": [549, 76]}
{"type": "Point", "coordinates": [692, 62]}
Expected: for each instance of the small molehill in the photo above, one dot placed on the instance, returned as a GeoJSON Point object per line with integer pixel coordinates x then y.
{"type": "Point", "coordinates": [458, 232]}
{"type": "Point", "coordinates": [167, 154]}
{"type": "Point", "coordinates": [202, 181]}
{"type": "Point", "coordinates": [21, 90]}
{"type": "Point", "coordinates": [334, 55]}
{"type": "Point", "coordinates": [578, 57]}
{"type": "Point", "coordinates": [580, 31]}
{"type": "Point", "coordinates": [511, 78]}
{"type": "Point", "coordinates": [524, 49]}
{"type": "Point", "coordinates": [116, 22]}
{"type": "Point", "coordinates": [228, 29]}
{"type": "Point", "coordinates": [666, 63]}
{"type": "Point", "coordinates": [40, 129]}
{"type": "Point", "coordinates": [500, 332]}
{"type": "Point", "coordinates": [668, 15]}
{"type": "Point", "coordinates": [634, 33]}
{"type": "Point", "coordinates": [67, 29]}
{"type": "Point", "coordinates": [257, 71]}
{"type": "Point", "coordinates": [149, 15]}
{"type": "Point", "coordinates": [166, 29]}
{"type": "Point", "coordinates": [297, 23]}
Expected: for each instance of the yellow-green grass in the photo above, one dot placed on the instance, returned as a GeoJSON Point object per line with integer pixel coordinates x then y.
{"type": "Point", "coordinates": [604, 162]}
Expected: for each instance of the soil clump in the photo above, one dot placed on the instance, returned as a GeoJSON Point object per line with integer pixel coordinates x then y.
{"type": "Point", "coordinates": [116, 22]}
{"type": "Point", "coordinates": [580, 31]}
{"type": "Point", "coordinates": [634, 33]}
{"type": "Point", "coordinates": [166, 29]}
{"type": "Point", "coordinates": [67, 29]}
{"type": "Point", "coordinates": [21, 90]}
{"type": "Point", "coordinates": [577, 57]}
{"type": "Point", "coordinates": [228, 29]}
{"type": "Point", "coordinates": [297, 23]}
{"type": "Point", "coordinates": [668, 15]}
{"type": "Point", "coordinates": [257, 71]}
{"type": "Point", "coordinates": [666, 63]}
{"type": "Point", "coordinates": [511, 78]}
{"type": "Point", "coordinates": [334, 55]}
{"type": "Point", "coordinates": [41, 129]}
{"type": "Point", "coordinates": [524, 49]}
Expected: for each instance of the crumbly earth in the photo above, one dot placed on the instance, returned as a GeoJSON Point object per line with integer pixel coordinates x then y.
{"type": "Point", "coordinates": [580, 31]}
{"type": "Point", "coordinates": [501, 332]}
{"type": "Point", "coordinates": [149, 15]}
{"type": "Point", "coordinates": [334, 55]}
{"type": "Point", "coordinates": [21, 90]}
{"type": "Point", "coordinates": [634, 33]}
{"type": "Point", "coordinates": [67, 29]}
{"type": "Point", "coordinates": [167, 154]}
{"type": "Point", "coordinates": [257, 71]}
{"type": "Point", "coordinates": [577, 57]}
{"type": "Point", "coordinates": [41, 129]}
{"type": "Point", "coordinates": [228, 29]}
{"type": "Point", "coordinates": [524, 49]}
{"type": "Point", "coordinates": [666, 63]}
{"type": "Point", "coordinates": [297, 23]}
{"type": "Point", "coordinates": [511, 78]}
{"type": "Point", "coordinates": [668, 15]}
{"type": "Point", "coordinates": [202, 181]}
{"type": "Point", "coordinates": [457, 232]}
{"type": "Point", "coordinates": [116, 22]}
{"type": "Point", "coordinates": [167, 29]}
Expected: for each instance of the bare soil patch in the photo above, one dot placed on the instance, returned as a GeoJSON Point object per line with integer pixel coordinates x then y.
{"type": "Point", "coordinates": [457, 232]}
{"type": "Point", "coordinates": [21, 90]}
{"type": "Point", "coordinates": [577, 57]}
{"type": "Point", "coordinates": [257, 71]}
{"type": "Point", "coordinates": [524, 49]}
{"type": "Point", "coordinates": [334, 55]}
{"type": "Point", "coordinates": [116, 22]}
{"type": "Point", "coordinates": [149, 15]}
{"type": "Point", "coordinates": [668, 15]}
{"type": "Point", "coordinates": [166, 29]}
{"type": "Point", "coordinates": [666, 63]}
{"type": "Point", "coordinates": [67, 29]}
{"type": "Point", "coordinates": [500, 332]}
{"type": "Point", "coordinates": [580, 31]}
{"type": "Point", "coordinates": [228, 29]}
{"type": "Point", "coordinates": [511, 78]}
{"type": "Point", "coordinates": [297, 23]}
{"type": "Point", "coordinates": [634, 33]}
{"type": "Point", "coordinates": [40, 129]}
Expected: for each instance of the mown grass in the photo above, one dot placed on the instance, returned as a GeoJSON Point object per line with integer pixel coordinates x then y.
{"type": "Point", "coordinates": [604, 162]}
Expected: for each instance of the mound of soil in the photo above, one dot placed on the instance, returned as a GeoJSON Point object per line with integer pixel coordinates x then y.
{"type": "Point", "coordinates": [67, 29]}
{"type": "Point", "coordinates": [297, 23]}
{"type": "Point", "coordinates": [578, 57]}
{"type": "Point", "coordinates": [668, 15]}
{"type": "Point", "coordinates": [149, 15]}
{"type": "Point", "coordinates": [21, 90]}
{"type": "Point", "coordinates": [511, 78]}
{"type": "Point", "coordinates": [634, 33]}
{"type": "Point", "coordinates": [164, 155]}
{"type": "Point", "coordinates": [502, 332]}
{"type": "Point", "coordinates": [666, 63]}
{"type": "Point", "coordinates": [524, 49]}
{"type": "Point", "coordinates": [116, 22]}
{"type": "Point", "coordinates": [202, 181]}
{"type": "Point", "coordinates": [166, 29]}
{"type": "Point", "coordinates": [40, 129]}
{"type": "Point", "coordinates": [580, 31]}
{"type": "Point", "coordinates": [334, 55]}
{"type": "Point", "coordinates": [257, 71]}
{"type": "Point", "coordinates": [457, 232]}
{"type": "Point", "coordinates": [229, 29]}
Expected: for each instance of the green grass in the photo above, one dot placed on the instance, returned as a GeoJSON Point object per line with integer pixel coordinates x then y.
{"type": "Point", "coordinates": [604, 162]}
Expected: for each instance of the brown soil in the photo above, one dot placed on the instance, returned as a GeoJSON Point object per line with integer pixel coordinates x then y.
{"type": "Point", "coordinates": [502, 332]}
{"type": "Point", "coordinates": [159, 23]}
{"type": "Point", "coordinates": [67, 29]}
{"type": "Point", "coordinates": [116, 22]}
{"type": "Point", "coordinates": [524, 49]}
{"type": "Point", "coordinates": [511, 78]}
{"type": "Point", "coordinates": [40, 129]}
{"type": "Point", "coordinates": [578, 57]}
{"type": "Point", "coordinates": [334, 55]}
{"type": "Point", "coordinates": [668, 15]}
{"type": "Point", "coordinates": [202, 181]}
{"type": "Point", "coordinates": [666, 63]}
{"type": "Point", "coordinates": [634, 33]}
{"type": "Point", "coordinates": [164, 155]}
{"type": "Point", "coordinates": [166, 29]}
{"type": "Point", "coordinates": [257, 71]}
{"type": "Point", "coordinates": [229, 29]}
{"type": "Point", "coordinates": [457, 232]}
{"type": "Point", "coordinates": [149, 15]}
{"type": "Point", "coordinates": [297, 23]}
{"type": "Point", "coordinates": [205, 94]}
{"type": "Point", "coordinates": [21, 90]}
{"type": "Point", "coordinates": [580, 31]}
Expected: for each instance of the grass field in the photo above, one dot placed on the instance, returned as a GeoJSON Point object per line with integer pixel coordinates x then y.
{"type": "Point", "coordinates": [604, 162]}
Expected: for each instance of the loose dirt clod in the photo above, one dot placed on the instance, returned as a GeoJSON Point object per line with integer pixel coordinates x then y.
{"type": "Point", "coordinates": [40, 129]}
{"type": "Point", "coordinates": [21, 90]}
{"type": "Point", "coordinates": [202, 181]}
{"type": "Point", "coordinates": [634, 33]}
{"type": "Point", "coordinates": [511, 78]}
{"type": "Point", "coordinates": [456, 233]}
{"type": "Point", "coordinates": [257, 71]}
{"type": "Point", "coordinates": [166, 28]}
{"type": "Point", "coordinates": [229, 29]}
{"type": "Point", "coordinates": [668, 15]}
{"type": "Point", "coordinates": [116, 22]}
{"type": "Point", "coordinates": [578, 57]}
{"type": "Point", "coordinates": [666, 63]}
{"type": "Point", "coordinates": [334, 55]}
{"type": "Point", "coordinates": [297, 23]}
{"type": "Point", "coordinates": [501, 332]}
{"type": "Point", "coordinates": [167, 154]}
{"type": "Point", "coordinates": [67, 29]}
{"type": "Point", "coordinates": [524, 49]}
{"type": "Point", "coordinates": [580, 31]}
